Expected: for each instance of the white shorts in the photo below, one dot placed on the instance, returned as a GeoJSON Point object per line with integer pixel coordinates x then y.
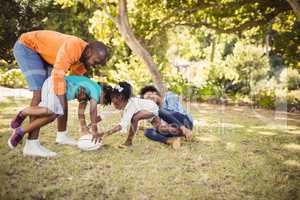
{"type": "Point", "coordinates": [49, 98]}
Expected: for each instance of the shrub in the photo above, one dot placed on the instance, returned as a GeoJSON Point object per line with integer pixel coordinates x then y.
{"type": "Point", "coordinates": [13, 78]}
{"type": "Point", "coordinates": [5, 66]}
{"type": "Point", "coordinates": [249, 63]}
{"type": "Point", "coordinates": [264, 93]}
{"type": "Point", "coordinates": [293, 100]}
{"type": "Point", "coordinates": [291, 77]}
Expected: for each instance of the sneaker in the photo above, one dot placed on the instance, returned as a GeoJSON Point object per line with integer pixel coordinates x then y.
{"type": "Point", "coordinates": [34, 148]}
{"type": "Point", "coordinates": [15, 138]}
{"type": "Point", "coordinates": [17, 121]}
{"type": "Point", "coordinates": [64, 138]}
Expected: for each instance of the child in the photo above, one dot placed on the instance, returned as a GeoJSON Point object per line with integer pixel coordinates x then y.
{"type": "Point", "coordinates": [50, 108]}
{"type": "Point", "coordinates": [136, 109]}
{"type": "Point", "coordinates": [169, 104]}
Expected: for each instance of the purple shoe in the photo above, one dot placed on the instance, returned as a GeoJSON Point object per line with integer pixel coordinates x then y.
{"type": "Point", "coordinates": [17, 121]}
{"type": "Point", "coordinates": [15, 138]}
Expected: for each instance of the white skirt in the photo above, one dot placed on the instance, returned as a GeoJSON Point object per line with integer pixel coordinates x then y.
{"type": "Point", "coordinates": [49, 98]}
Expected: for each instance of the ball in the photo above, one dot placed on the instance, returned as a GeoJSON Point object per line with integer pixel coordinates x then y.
{"type": "Point", "coordinates": [85, 143]}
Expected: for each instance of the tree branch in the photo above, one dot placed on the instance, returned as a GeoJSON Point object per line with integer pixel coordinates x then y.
{"type": "Point", "coordinates": [105, 7]}
{"type": "Point", "coordinates": [239, 28]}
{"type": "Point", "coordinates": [296, 8]}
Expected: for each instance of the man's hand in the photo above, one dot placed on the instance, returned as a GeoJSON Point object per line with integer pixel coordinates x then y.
{"type": "Point", "coordinates": [97, 137]}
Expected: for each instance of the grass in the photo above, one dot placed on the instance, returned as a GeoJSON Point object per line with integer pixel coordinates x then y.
{"type": "Point", "coordinates": [236, 153]}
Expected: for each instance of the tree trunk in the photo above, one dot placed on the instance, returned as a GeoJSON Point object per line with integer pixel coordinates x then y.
{"type": "Point", "coordinates": [124, 28]}
{"type": "Point", "coordinates": [267, 45]}
{"type": "Point", "coordinates": [213, 50]}
{"type": "Point", "coordinates": [296, 7]}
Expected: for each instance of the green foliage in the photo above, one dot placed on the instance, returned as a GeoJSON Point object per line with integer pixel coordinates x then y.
{"type": "Point", "coordinates": [249, 63]}
{"type": "Point", "coordinates": [5, 66]}
{"type": "Point", "coordinates": [19, 16]}
{"type": "Point", "coordinates": [181, 34]}
{"type": "Point", "coordinates": [269, 93]}
{"type": "Point", "coordinates": [188, 44]}
{"type": "Point", "coordinates": [13, 78]}
{"type": "Point", "coordinates": [293, 100]}
{"type": "Point", "coordinates": [285, 39]}
{"type": "Point", "coordinates": [293, 79]}
{"type": "Point", "coordinates": [239, 72]}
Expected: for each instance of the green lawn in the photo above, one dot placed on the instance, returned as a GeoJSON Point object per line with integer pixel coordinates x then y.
{"type": "Point", "coordinates": [236, 153]}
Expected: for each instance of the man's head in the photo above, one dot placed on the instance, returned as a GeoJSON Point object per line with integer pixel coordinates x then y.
{"type": "Point", "coordinates": [95, 53]}
{"type": "Point", "coordinates": [150, 92]}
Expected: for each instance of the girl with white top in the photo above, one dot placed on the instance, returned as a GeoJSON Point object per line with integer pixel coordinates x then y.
{"type": "Point", "coordinates": [134, 110]}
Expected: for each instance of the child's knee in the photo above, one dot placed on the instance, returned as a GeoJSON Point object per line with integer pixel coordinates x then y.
{"type": "Point", "coordinates": [53, 117]}
{"type": "Point", "coordinates": [135, 119]}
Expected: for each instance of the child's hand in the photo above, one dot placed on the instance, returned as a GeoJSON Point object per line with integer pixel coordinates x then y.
{"type": "Point", "coordinates": [81, 96]}
{"type": "Point", "coordinates": [126, 144]}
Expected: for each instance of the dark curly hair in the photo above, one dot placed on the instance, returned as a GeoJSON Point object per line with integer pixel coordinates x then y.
{"type": "Point", "coordinates": [107, 90]}
{"type": "Point", "coordinates": [123, 89]}
{"type": "Point", "coordinates": [149, 88]}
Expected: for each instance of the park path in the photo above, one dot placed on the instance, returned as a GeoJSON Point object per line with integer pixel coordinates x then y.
{"type": "Point", "coordinates": [14, 92]}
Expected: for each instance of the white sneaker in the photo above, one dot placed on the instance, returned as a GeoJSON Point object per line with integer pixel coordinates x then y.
{"type": "Point", "coordinates": [64, 138]}
{"type": "Point", "coordinates": [34, 148]}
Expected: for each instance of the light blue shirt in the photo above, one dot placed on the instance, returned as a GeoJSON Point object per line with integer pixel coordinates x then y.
{"type": "Point", "coordinates": [92, 88]}
{"type": "Point", "coordinates": [171, 102]}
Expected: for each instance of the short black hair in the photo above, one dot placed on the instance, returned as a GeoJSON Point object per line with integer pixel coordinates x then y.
{"type": "Point", "coordinates": [123, 89]}
{"type": "Point", "coordinates": [107, 90]}
{"type": "Point", "coordinates": [149, 88]}
{"type": "Point", "coordinates": [97, 46]}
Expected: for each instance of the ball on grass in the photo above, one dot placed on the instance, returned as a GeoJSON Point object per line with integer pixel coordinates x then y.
{"type": "Point", "coordinates": [85, 143]}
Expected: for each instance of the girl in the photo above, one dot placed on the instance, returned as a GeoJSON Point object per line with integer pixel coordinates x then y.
{"type": "Point", "coordinates": [51, 107]}
{"type": "Point", "coordinates": [136, 109]}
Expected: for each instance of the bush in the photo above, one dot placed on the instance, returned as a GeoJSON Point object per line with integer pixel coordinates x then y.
{"type": "Point", "coordinates": [13, 78]}
{"type": "Point", "coordinates": [293, 100]}
{"type": "Point", "coordinates": [249, 63]}
{"type": "Point", "coordinates": [265, 93]}
{"type": "Point", "coordinates": [292, 77]}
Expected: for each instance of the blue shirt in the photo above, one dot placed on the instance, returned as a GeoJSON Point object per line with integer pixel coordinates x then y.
{"type": "Point", "coordinates": [92, 88]}
{"type": "Point", "coordinates": [171, 102]}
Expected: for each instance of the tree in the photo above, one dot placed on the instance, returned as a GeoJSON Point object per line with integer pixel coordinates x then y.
{"type": "Point", "coordinates": [122, 23]}
{"type": "Point", "coordinates": [263, 18]}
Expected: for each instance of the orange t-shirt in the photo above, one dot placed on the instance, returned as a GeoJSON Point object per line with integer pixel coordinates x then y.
{"type": "Point", "coordinates": [60, 50]}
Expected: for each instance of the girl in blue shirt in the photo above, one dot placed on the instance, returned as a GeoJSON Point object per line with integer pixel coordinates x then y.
{"type": "Point", "coordinates": [78, 87]}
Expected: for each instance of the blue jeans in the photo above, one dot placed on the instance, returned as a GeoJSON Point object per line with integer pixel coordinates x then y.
{"type": "Point", "coordinates": [173, 118]}
{"type": "Point", "coordinates": [35, 69]}
{"type": "Point", "coordinates": [176, 119]}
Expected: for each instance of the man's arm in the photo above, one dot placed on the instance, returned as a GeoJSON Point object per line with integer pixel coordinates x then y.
{"type": "Point", "coordinates": [68, 54]}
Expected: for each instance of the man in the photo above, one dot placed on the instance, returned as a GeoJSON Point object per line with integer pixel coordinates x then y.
{"type": "Point", "coordinates": [169, 106]}
{"type": "Point", "coordinates": [36, 52]}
